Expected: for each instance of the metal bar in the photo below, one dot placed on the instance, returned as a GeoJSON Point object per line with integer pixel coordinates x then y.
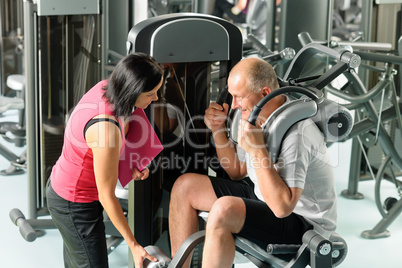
{"type": "Point", "coordinates": [385, 141]}
{"type": "Point", "coordinates": [400, 67]}
{"type": "Point", "coordinates": [330, 75]}
{"type": "Point", "coordinates": [380, 230]}
{"type": "Point", "coordinates": [270, 25]}
{"type": "Point", "coordinates": [112, 242]}
{"type": "Point", "coordinates": [366, 124]}
{"type": "Point", "coordinates": [30, 53]}
{"type": "Point", "coordinates": [359, 99]}
{"type": "Point", "coordinates": [379, 57]}
{"type": "Point", "coordinates": [186, 248]}
{"type": "Point", "coordinates": [365, 28]}
{"type": "Point", "coordinates": [354, 173]}
{"type": "Point", "coordinates": [367, 45]}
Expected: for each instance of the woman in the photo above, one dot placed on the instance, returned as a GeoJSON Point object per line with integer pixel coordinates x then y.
{"type": "Point", "coordinates": [236, 12]}
{"type": "Point", "coordinates": [84, 179]}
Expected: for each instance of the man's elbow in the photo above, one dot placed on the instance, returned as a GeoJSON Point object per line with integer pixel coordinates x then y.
{"type": "Point", "coordinates": [235, 174]}
{"type": "Point", "coordinates": [281, 213]}
{"type": "Point", "coordinates": [236, 177]}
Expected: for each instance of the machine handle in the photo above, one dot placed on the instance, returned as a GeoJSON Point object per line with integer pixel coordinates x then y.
{"type": "Point", "coordinates": [269, 56]}
{"type": "Point", "coordinates": [26, 230]}
{"type": "Point", "coordinates": [222, 96]}
{"type": "Point", "coordinates": [379, 57]}
{"type": "Point", "coordinates": [257, 45]}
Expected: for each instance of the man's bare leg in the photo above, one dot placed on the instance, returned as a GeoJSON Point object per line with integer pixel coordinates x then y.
{"type": "Point", "coordinates": [190, 194]}
{"type": "Point", "coordinates": [226, 218]}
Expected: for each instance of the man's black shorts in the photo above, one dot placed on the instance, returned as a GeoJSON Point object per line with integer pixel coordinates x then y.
{"type": "Point", "coordinates": [261, 225]}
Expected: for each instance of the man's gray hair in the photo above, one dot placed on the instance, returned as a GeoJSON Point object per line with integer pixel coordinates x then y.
{"type": "Point", "coordinates": [261, 74]}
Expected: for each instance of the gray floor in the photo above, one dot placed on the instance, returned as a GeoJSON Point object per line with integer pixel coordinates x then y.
{"type": "Point", "coordinates": [354, 217]}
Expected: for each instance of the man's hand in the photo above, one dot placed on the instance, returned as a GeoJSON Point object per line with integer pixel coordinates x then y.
{"type": "Point", "coordinates": [251, 138]}
{"type": "Point", "coordinates": [215, 116]}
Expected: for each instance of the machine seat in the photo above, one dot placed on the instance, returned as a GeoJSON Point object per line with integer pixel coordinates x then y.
{"type": "Point", "coordinates": [8, 103]}
{"type": "Point", "coordinates": [15, 82]}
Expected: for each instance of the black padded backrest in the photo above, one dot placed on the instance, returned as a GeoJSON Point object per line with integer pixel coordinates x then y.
{"type": "Point", "coordinates": [282, 119]}
{"type": "Point", "coordinates": [186, 37]}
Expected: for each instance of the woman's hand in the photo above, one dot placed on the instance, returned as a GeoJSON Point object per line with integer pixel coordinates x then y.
{"type": "Point", "coordinates": [140, 175]}
{"type": "Point", "coordinates": [140, 254]}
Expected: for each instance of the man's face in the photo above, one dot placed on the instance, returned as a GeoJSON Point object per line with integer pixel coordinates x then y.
{"type": "Point", "coordinates": [243, 99]}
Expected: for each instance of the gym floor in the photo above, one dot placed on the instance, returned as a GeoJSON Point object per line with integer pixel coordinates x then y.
{"type": "Point", "coordinates": [354, 216]}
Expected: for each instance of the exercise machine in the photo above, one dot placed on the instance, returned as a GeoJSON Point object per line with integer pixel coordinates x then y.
{"type": "Point", "coordinates": [334, 121]}
{"type": "Point", "coordinates": [315, 251]}
{"type": "Point", "coordinates": [14, 132]}
{"type": "Point", "coordinates": [377, 136]}
{"type": "Point", "coordinates": [12, 83]}
{"type": "Point", "coordinates": [376, 132]}
{"type": "Point", "coordinates": [67, 51]}
{"type": "Point", "coordinates": [201, 49]}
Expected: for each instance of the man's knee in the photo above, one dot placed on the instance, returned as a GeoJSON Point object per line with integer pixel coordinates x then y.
{"type": "Point", "coordinates": [187, 185]}
{"type": "Point", "coordinates": [195, 190]}
{"type": "Point", "coordinates": [222, 210]}
{"type": "Point", "coordinates": [182, 184]}
{"type": "Point", "coordinates": [228, 213]}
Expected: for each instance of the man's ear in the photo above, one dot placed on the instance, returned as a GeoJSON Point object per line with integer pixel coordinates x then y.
{"type": "Point", "coordinates": [265, 91]}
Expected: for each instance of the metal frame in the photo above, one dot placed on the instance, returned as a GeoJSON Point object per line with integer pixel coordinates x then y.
{"type": "Point", "coordinates": [32, 227]}
{"type": "Point", "coordinates": [317, 18]}
{"type": "Point", "coordinates": [316, 251]}
{"type": "Point", "coordinates": [363, 99]}
{"type": "Point", "coordinates": [208, 39]}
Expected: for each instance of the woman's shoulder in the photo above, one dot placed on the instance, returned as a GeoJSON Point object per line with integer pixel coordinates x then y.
{"type": "Point", "coordinates": [98, 88]}
{"type": "Point", "coordinates": [93, 95]}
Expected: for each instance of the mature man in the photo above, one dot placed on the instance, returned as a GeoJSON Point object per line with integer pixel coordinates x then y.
{"type": "Point", "coordinates": [263, 202]}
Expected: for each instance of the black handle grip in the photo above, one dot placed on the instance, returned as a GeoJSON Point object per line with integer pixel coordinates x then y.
{"type": "Point", "coordinates": [256, 44]}
{"type": "Point", "coordinates": [222, 96]}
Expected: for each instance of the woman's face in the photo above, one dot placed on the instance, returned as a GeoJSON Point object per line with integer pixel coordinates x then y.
{"type": "Point", "coordinates": [145, 98]}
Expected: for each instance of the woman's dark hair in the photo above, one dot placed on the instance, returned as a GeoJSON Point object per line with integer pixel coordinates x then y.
{"type": "Point", "coordinates": [134, 74]}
